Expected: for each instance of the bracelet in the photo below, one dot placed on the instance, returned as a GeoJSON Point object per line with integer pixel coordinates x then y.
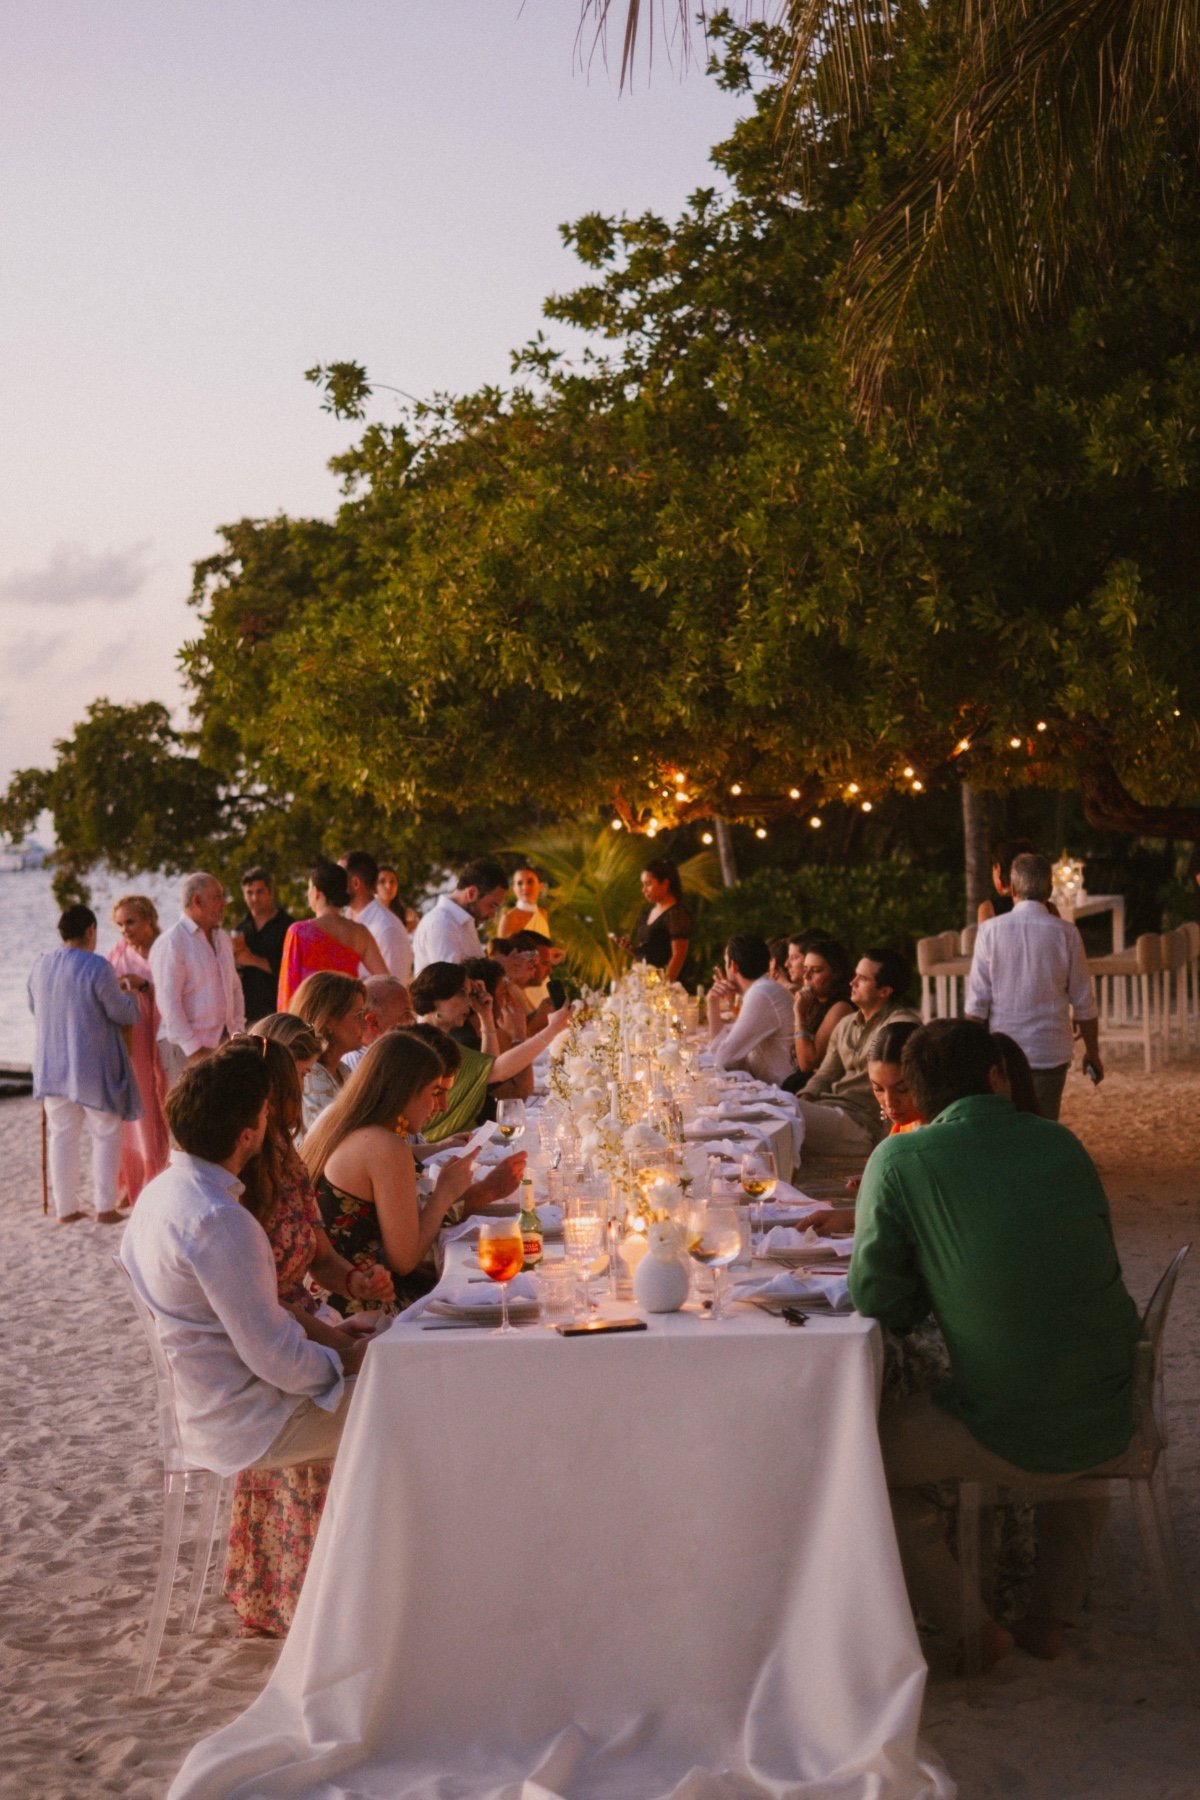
{"type": "Point", "coordinates": [806, 1034]}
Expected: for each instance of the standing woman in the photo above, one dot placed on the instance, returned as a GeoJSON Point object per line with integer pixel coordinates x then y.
{"type": "Point", "coordinates": [664, 926]}
{"type": "Point", "coordinates": [334, 1006]}
{"type": "Point", "coordinates": [327, 940]}
{"type": "Point", "coordinates": [528, 914]}
{"type": "Point", "coordinates": [145, 1144]}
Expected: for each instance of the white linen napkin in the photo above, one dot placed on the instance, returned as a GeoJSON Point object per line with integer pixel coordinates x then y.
{"type": "Point", "coordinates": [789, 1238]}
{"type": "Point", "coordinates": [550, 1214]}
{"type": "Point", "coordinates": [464, 1297]}
{"type": "Point", "coordinates": [755, 1109]}
{"type": "Point", "coordinates": [818, 1288]}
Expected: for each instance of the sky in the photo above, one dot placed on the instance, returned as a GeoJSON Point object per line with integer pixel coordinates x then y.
{"type": "Point", "coordinates": [201, 199]}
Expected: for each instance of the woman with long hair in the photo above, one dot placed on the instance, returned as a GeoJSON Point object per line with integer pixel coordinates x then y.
{"type": "Point", "coordinates": [443, 995]}
{"type": "Point", "coordinates": [359, 1156]}
{"type": "Point", "coordinates": [327, 940]}
{"type": "Point", "coordinates": [822, 999]}
{"type": "Point", "coordinates": [145, 1142]}
{"type": "Point", "coordinates": [333, 1006]}
{"type": "Point", "coordinates": [663, 929]}
{"type": "Point", "coordinates": [528, 913]}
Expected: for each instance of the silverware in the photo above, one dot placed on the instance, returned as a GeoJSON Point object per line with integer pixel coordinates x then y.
{"type": "Point", "coordinates": [457, 1325]}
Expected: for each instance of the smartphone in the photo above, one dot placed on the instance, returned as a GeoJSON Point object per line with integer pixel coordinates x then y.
{"type": "Point", "coordinates": [594, 1327]}
{"type": "Point", "coordinates": [1091, 1071]}
{"type": "Point", "coordinates": [557, 992]}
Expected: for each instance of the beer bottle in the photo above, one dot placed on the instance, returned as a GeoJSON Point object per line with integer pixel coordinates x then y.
{"type": "Point", "coordinates": [531, 1227]}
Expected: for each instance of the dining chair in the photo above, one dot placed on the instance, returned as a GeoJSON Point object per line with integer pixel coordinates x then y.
{"type": "Point", "coordinates": [1142, 1471]}
{"type": "Point", "coordinates": [180, 1478]}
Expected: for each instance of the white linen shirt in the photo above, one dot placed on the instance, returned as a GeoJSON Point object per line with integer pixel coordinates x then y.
{"type": "Point", "coordinates": [241, 1364]}
{"type": "Point", "coordinates": [196, 987]}
{"type": "Point", "coordinates": [446, 934]}
{"type": "Point", "coordinates": [762, 1037]}
{"type": "Point", "coordinates": [389, 932]}
{"type": "Point", "coordinates": [1028, 971]}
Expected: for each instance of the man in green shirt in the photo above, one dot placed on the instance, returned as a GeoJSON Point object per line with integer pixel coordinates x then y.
{"type": "Point", "coordinates": [996, 1222]}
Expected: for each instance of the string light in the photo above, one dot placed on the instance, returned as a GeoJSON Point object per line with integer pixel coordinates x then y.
{"type": "Point", "coordinates": [1176, 712]}
{"type": "Point", "coordinates": [736, 789]}
{"type": "Point", "coordinates": [1041, 724]}
{"type": "Point", "coordinates": [616, 824]}
{"type": "Point", "coordinates": [909, 773]}
{"type": "Point", "coordinates": [1014, 743]}
{"type": "Point", "coordinates": [760, 833]}
{"type": "Point", "coordinates": [962, 744]}
{"type": "Point", "coordinates": [815, 822]}
{"type": "Point", "coordinates": [706, 837]}
{"type": "Point", "coordinates": [866, 806]}
{"type": "Point", "coordinates": [918, 787]}
{"type": "Point", "coordinates": [853, 788]}
{"type": "Point", "coordinates": [681, 797]}
{"type": "Point", "coordinates": [793, 793]}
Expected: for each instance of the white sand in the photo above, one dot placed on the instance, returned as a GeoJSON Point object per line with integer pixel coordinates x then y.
{"type": "Point", "coordinates": [1116, 1717]}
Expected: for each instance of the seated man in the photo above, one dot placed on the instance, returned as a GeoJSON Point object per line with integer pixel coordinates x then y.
{"type": "Point", "coordinates": [760, 1038]}
{"type": "Point", "coordinates": [995, 1221]}
{"type": "Point", "coordinates": [841, 1114]}
{"type": "Point", "coordinates": [251, 1390]}
{"type": "Point", "coordinates": [388, 1008]}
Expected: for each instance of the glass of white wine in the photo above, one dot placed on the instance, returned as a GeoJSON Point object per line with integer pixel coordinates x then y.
{"type": "Point", "coordinates": [759, 1179]}
{"type": "Point", "coordinates": [510, 1120]}
{"type": "Point", "coordinates": [714, 1241]}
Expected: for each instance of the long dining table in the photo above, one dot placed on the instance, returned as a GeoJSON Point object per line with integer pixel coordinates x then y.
{"type": "Point", "coordinates": [648, 1566]}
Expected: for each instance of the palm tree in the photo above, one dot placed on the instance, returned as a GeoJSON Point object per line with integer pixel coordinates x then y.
{"type": "Point", "coordinates": [1060, 118]}
{"type": "Point", "coordinates": [595, 891]}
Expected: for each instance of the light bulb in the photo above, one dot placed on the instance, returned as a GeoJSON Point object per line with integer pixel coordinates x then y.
{"type": "Point", "coordinates": [1041, 724]}
{"type": "Point", "coordinates": [918, 787]}
{"type": "Point", "coordinates": [1014, 743]}
{"type": "Point", "coordinates": [760, 833]}
{"type": "Point", "coordinates": [616, 824]}
{"type": "Point", "coordinates": [706, 837]}
{"type": "Point", "coordinates": [853, 788]}
{"type": "Point", "coordinates": [793, 793]}
{"type": "Point", "coordinates": [815, 822]}
{"type": "Point", "coordinates": [736, 788]}
{"type": "Point", "coordinates": [909, 773]}
{"type": "Point", "coordinates": [866, 806]}
{"type": "Point", "coordinates": [963, 744]}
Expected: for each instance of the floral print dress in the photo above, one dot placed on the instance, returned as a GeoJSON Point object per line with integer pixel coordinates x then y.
{"type": "Point", "coordinates": [276, 1511]}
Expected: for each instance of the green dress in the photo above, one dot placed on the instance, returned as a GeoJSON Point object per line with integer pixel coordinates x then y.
{"type": "Point", "coordinates": [465, 1102]}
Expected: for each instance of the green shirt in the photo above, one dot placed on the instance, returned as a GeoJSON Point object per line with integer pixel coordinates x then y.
{"type": "Point", "coordinates": [996, 1222]}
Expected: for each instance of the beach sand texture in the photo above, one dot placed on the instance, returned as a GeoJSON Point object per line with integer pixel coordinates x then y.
{"type": "Point", "coordinates": [1118, 1716]}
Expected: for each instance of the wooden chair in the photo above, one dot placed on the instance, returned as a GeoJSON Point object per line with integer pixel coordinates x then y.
{"type": "Point", "coordinates": [1127, 993]}
{"type": "Point", "coordinates": [942, 967]}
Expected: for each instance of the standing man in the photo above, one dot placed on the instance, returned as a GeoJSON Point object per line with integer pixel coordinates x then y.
{"type": "Point", "coordinates": [1027, 974]}
{"type": "Point", "coordinates": [759, 1040]}
{"type": "Point", "coordinates": [81, 1068]}
{"type": "Point", "coordinates": [996, 1222]}
{"type": "Point", "coordinates": [195, 981]}
{"type": "Point", "coordinates": [841, 1115]}
{"type": "Point", "coordinates": [395, 945]}
{"type": "Point", "coordinates": [258, 944]}
{"type": "Point", "coordinates": [448, 932]}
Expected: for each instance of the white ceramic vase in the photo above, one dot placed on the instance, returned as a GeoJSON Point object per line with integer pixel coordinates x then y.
{"type": "Point", "coordinates": [661, 1283]}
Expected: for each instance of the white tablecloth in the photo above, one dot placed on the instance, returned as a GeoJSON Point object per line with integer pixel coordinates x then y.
{"type": "Point", "coordinates": [625, 1568]}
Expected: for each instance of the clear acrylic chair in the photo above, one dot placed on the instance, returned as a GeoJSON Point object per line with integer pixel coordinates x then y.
{"type": "Point", "coordinates": [1142, 1471]}
{"type": "Point", "coordinates": [180, 1478]}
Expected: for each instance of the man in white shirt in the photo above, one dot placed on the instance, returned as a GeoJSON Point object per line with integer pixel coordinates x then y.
{"type": "Point", "coordinates": [1028, 973]}
{"type": "Point", "coordinates": [389, 932]}
{"type": "Point", "coordinates": [448, 932]}
{"type": "Point", "coordinates": [251, 1389]}
{"type": "Point", "coordinates": [196, 986]}
{"type": "Point", "coordinates": [760, 1038]}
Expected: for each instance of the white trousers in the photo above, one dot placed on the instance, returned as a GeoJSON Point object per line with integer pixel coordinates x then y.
{"type": "Point", "coordinates": [65, 1123]}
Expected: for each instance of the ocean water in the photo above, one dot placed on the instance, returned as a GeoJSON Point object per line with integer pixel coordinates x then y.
{"type": "Point", "coordinates": [29, 925]}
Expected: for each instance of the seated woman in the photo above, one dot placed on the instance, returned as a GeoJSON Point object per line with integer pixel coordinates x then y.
{"type": "Point", "coordinates": [663, 929]}
{"type": "Point", "coordinates": [292, 1032]}
{"type": "Point", "coordinates": [821, 1000]}
{"type": "Point", "coordinates": [360, 1156]}
{"type": "Point", "coordinates": [334, 1007]}
{"type": "Point", "coordinates": [327, 940]}
{"type": "Point", "coordinates": [888, 1084]}
{"type": "Point", "coordinates": [276, 1511]}
{"type": "Point", "coordinates": [442, 996]}
{"type": "Point", "coordinates": [489, 973]}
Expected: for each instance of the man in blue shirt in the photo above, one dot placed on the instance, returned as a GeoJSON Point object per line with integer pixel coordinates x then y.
{"type": "Point", "coordinates": [81, 1067]}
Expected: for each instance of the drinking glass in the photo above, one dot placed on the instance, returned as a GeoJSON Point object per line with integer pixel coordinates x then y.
{"type": "Point", "coordinates": [501, 1253]}
{"type": "Point", "coordinates": [510, 1119]}
{"type": "Point", "coordinates": [584, 1224]}
{"type": "Point", "coordinates": [714, 1241]}
{"type": "Point", "coordinates": [759, 1177]}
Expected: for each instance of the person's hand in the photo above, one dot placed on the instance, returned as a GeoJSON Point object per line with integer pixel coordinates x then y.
{"type": "Point", "coordinates": [241, 955]}
{"type": "Point", "coordinates": [807, 1007]}
{"type": "Point", "coordinates": [558, 1021]}
{"type": "Point", "coordinates": [1092, 1060]}
{"type": "Point", "coordinates": [361, 1325]}
{"type": "Point", "coordinates": [500, 1181]}
{"type": "Point", "coordinates": [127, 984]}
{"type": "Point", "coordinates": [837, 1222]}
{"type": "Point", "coordinates": [371, 1283]}
{"type": "Point", "coordinates": [352, 1355]}
{"type": "Point", "coordinates": [481, 1003]}
{"type": "Point", "coordinates": [453, 1180]}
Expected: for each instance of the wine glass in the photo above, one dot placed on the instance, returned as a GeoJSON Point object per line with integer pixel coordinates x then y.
{"type": "Point", "coordinates": [510, 1119]}
{"type": "Point", "coordinates": [714, 1241]}
{"type": "Point", "coordinates": [759, 1178]}
{"type": "Point", "coordinates": [584, 1225]}
{"type": "Point", "coordinates": [501, 1253]}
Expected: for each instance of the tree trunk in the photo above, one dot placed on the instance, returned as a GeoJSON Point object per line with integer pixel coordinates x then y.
{"type": "Point", "coordinates": [977, 849]}
{"type": "Point", "coordinates": [729, 871]}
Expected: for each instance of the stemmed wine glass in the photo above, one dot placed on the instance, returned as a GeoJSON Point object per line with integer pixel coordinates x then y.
{"type": "Point", "coordinates": [510, 1119]}
{"type": "Point", "coordinates": [759, 1179]}
{"type": "Point", "coordinates": [714, 1241]}
{"type": "Point", "coordinates": [501, 1253]}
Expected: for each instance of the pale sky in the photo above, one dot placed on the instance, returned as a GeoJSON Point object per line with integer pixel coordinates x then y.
{"type": "Point", "coordinates": [200, 199]}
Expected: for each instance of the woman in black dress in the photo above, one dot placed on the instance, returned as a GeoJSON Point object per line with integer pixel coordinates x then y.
{"type": "Point", "coordinates": [664, 925]}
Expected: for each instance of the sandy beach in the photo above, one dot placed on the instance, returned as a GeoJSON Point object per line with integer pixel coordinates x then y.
{"type": "Point", "coordinates": [1117, 1716]}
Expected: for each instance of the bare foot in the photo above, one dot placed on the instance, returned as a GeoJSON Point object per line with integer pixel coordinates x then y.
{"type": "Point", "coordinates": [69, 1218]}
{"type": "Point", "coordinates": [110, 1218]}
{"type": "Point", "coordinates": [1043, 1638]}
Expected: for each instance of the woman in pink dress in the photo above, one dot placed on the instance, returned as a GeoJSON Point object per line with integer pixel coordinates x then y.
{"type": "Point", "coordinates": [326, 941]}
{"type": "Point", "coordinates": [144, 1142]}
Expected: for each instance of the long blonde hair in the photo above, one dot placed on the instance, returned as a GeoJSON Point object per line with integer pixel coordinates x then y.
{"type": "Point", "coordinates": [324, 998]}
{"type": "Point", "coordinates": [291, 1032]}
{"type": "Point", "coordinates": [395, 1068]}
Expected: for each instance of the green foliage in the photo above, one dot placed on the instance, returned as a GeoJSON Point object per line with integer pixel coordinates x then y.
{"type": "Point", "coordinates": [881, 905]}
{"type": "Point", "coordinates": [595, 891]}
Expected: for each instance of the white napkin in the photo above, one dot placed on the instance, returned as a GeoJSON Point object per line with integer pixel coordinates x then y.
{"type": "Point", "coordinates": [788, 1212]}
{"type": "Point", "coordinates": [463, 1295]}
{"type": "Point", "coordinates": [829, 1289]}
{"type": "Point", "coordinates": [550, 1214]}
{"type": "Point", "coordinates": [755, 1109]}
{"type": "Point", "coordinates": [787, 1237]}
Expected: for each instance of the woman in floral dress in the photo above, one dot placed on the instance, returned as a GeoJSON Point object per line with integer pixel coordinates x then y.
{"type": "Point", "coordinates": [276, 1511]}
